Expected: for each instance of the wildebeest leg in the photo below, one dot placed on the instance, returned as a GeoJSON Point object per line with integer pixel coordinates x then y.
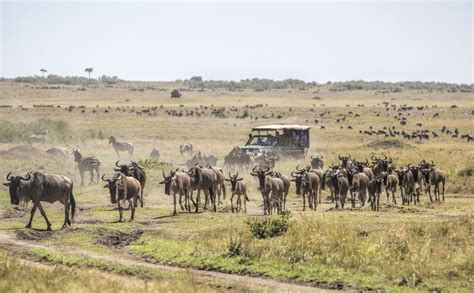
{"type": "Point", "coordinates": [197, 200]}
{"type": "Point", "coordinates": [353, 201]}
{"type": "Point", "coordinates": [393, 196]}
{"type": "Point", "coordinates": [206, 198]}
{"type": "Point", "coordinates": [232, 202]}
{"type": "Point", "coordinates": [33, 210]}
{"type": "Point", "coordinates": [66, 215]}
{"type": "Point", "coordinates": [120, 210]}
{"type": "Point", "coordinates": [304, 201]}
{"type": "Point", "coordinates": [245, 202]}
{"type": "Point", "coordinates": [141, 198]}
{"type": "Point", "coordinates": [40, 207]}
{"type": "Point", "coordinates": [213, 198]}
{"type": "Point", "coordinates": [180, 202]}
{"type": "Point", "coordinates": [134, 206]}
{"type": "Point", "coordinates": [174, 203]}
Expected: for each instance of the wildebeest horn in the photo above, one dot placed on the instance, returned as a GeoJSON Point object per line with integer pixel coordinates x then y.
{"type": "Point", "coordinates": [104, 179]}
{"type": "Point", "coordinates": [163, 171]}
{"type": "Point", "coordinates": [267, 169]}
{"type": "Point", "coordinates": [293, 174]}
{"type": "Point", "coordinates": [120, 177]}
{"type": "Point", "coordinates": [432, 163]}
{"type": "Point", "coordinates": [24, 178]}
{"type": "Point", "coordinates": [253, 169]}
{"type": "Point", "coordinates": [237, 175]}
{"type": "Point", "coordinates": [389, 160]}
{"type": "Point", "coordinates": [8, 176]}
{"type": "Point", "coordinates": [385, 156]}
{"type": "Point", "coordinates": [116, 164]}
{"type": "Point", "coordinates": [230, 176]}
{"type": "Point", "coordinates": [308, 167]}
{"type": "Point", "coordinates": [373, 158]}
{"type": "Point", "coordinates": [297, 168]}
{"type": "Point", "coordinates": [340, 158]}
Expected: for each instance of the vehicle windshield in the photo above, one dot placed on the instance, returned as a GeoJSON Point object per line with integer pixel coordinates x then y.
{"type": "Point", "coordinates": [264, 140]}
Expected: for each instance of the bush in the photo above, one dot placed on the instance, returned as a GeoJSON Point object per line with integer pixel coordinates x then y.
{"type": "Point", "coordinates": [175, 94]}
{"type": "Point", "coordinates": [268, 227]}
{"type": "Point", "coordinates": [466, 171]}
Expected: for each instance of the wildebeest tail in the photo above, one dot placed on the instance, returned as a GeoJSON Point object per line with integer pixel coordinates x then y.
{"type": "Point", "coordinates": [323, 185]}
{"type": "Point", "coordinates": [72, 202]}
{"type": "Point", "coordinates": [223, 189]}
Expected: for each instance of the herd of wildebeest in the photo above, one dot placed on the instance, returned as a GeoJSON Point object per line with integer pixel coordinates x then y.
{"type": "Point", "coordinates": [364, 180]}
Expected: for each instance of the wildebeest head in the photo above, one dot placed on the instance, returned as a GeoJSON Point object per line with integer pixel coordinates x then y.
{"type": "Point", "coordinates": [112, 139]}
{"type": "Point", "coordinates": [415, 172]}
{"type": "Point", "coordinates": [233, 179]}
{"type": "Point", "coordinates": [297, 178]}
{"type": "Point", "coordinates": [167, 180]}
{"type": "Point", "coordinates": [345, 161]}
{"type": "Point", "coordinates": [114, 184]}
{"type": "Point", "coordinates": [317, 162]}
{"type": "Point", "coordinates": [122, 168]}
{"type": "Point", "coordinates": [13, 184]}
{"type": "Point", "coordinates": [260, 174]}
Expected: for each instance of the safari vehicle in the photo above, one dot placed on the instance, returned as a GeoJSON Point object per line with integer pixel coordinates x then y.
{"type": "Point", "coordinates": [281, 140]}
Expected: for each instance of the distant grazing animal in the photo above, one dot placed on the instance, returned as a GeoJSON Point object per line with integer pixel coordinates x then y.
{"type": "Point", "coordinates": [121, 146]}
{"type": "Point", "coordinates": [43, 187]}
{"type": "Point", "coordinates": [58, 152]}
{"type": "Point", "coordinates": [155, 154]}
{"type": "Point", "coordinates": [90, 164]}
{"type": "Point", "coordinates": [178, 183]}
{"type": "Point", "coordinates": [240, 189]}
{"type": "Point", "coordinates": [123, 188]}
{"type": "Point", "coordinates": [37, 138]}
{"type": "Point", "coordinates": [186, 148]}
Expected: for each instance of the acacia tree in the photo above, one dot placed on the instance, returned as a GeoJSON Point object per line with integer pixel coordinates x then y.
{"type": "Point", "coordinates": [89, 70]}
{"type": "Point", "coordinates": [43, 71]}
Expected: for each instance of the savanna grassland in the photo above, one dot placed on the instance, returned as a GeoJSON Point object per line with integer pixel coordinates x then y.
{"type": "Point", "coordinates": [400, 248]}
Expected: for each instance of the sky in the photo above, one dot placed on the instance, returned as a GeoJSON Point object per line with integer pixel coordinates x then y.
{"type": "Point", "coordinates": [312, 41]}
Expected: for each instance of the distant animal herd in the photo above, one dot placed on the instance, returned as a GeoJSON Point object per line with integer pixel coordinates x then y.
{"type": "Point", "coordinates": [362, 180]}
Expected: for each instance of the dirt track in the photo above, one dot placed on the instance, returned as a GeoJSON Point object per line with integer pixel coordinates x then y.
{"type": "Point", "coordinates": [10, 242]}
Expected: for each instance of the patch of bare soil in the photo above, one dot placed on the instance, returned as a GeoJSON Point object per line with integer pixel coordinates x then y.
{"type": "Point", "coordinates": [388, 144]}
{"type": "Point", "coordinates": [32, 234]}
{"type": "Point", "coordinates": [24, 150]}
{"type": "Point", "coordinates": [117, 239]}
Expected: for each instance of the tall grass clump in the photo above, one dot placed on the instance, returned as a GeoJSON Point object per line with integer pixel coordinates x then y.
{"type": "Point", "coordinates": [268, 227]}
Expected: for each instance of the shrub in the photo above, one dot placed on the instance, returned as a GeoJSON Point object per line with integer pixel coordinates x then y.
{"type": "Point", "coordinates": [268, 227]}
{"type": "Point", "coordinates": [466, 171]}
{"type": "Point", "coordinates": [175, 94]}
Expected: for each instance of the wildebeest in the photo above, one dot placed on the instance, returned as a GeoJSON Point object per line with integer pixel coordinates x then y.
{"type": "Point", "coordinates": [341, 187]}
{"type": "Point", "coordinates": [137, 172]}
{"type": "Point", "coordinates": [268, 186]}
{"type": "Point", "coordinates": [434, 176]}
{"type": "Point", "coordinates": [178, 183]}
{"type": "Point", "coordinates": [358, 184]}
{"type": "Point", "coordinates": [90, 164]}
{"type": "Point", "coordinates": [123, 188]}
{"type": "Point", "coordinates": [240, 189]}
{"type": "Point", "coordinates": [202, 160]}
{"type": "Point", "coordinates": [206, 180]}
{"type": "Point", "coordinates": [374, 188]}
{"type": "Point", "coordinates": [155, 154]}
{"type": "Point", "coordinates": [317, 162]}
{"type": "Point", "coordinates": [286, 186]}
{"type": "Point", "coordinates": [390, 182]}
{"type": "Point", "coordinates": [407, 185]}
{"type": "Point", "coordinates": [121, 146]}
{"type": "Point", "coordinates": [220, 186]}
{"type": "Point", "coordinates": [186, 148]}
{"type": "Point", "coordinates": [40, 187]}
{"type": "Point", "coordinates": [363, 168]}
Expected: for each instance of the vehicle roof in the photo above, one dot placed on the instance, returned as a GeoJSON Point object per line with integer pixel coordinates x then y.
{"type": "Point", "coordinates": [281, 127]}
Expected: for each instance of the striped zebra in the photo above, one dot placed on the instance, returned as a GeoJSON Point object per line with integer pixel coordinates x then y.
{"type": "Point", "coordinates": [87, 164]}
{"type": "Point", "coordinates": [121, 146]}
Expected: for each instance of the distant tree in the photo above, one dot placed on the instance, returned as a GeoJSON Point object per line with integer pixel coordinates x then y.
{"type": "Point", "coordinates": [89, 70]}
{"type": "Point", "coordinates": [43, 71]}
{"type": "Point", "coordinates": [196, 78]}
{"type": "Point", "coordinates": [175, 94]}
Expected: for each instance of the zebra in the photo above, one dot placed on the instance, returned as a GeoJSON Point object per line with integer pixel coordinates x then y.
{"type": "Point", "coordinates": [121, 146]}
{"type": "Point", "coordinates": [87, 164]}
